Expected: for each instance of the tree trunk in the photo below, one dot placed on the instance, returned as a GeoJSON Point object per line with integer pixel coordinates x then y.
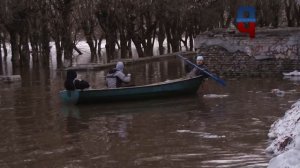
{"type": "Point", "coordinates": [191, 39]}
{"type": "Point", "coordinates": [24, 49]}
{"type": "Point", "coordinates": [58, 53]}
{"type": "Point", "coordinates": [77, 49]}
{"type": "Point", "coordinates": [288, 11]}
{"type": "Point", "coordinates": [149, 47]}
{"type": "Point", "coordinates": [92, 46]}
{"type": "Point", "coordinates": [88, 29]}
{"type": "Point", "coordinates": [34, 48]}
{"type": "Point", "coordinates": [4, 47]}
{"type": "Point", "coordinates": [148, 34]}
{"type": "Point", "coordinates": [16, 69]}
{"type": "Point", "coordinates": [1, 67]}
{"type": "Point", "coordinates": [275, 8]}
{"type": "Point", "coordinates": [1, 72]}
{"type": "Point", "coordinates": [15, 52]}
{"type": "Point", "coordinates": [67, 42]}
{"type": "Point", "coordinates": [138, 46]}
{"type": "Point", "coordinates": [129, 49]}
{"type": "Point", "coordinates": [260, 14]}
{"type": "Point", "coordinates": [150, 43]}
{"type": "Point", "coordinates": [99, 46]}
{"type": "Point", "coordinates": [168, 39]}
{"type": "Point", "coordinates": [45, 58]}
{"type": "Point", "coordinates": [45, 46]}
{"type": "Point", "coordinates": [175, 45]}
{"type": "Point", "coordinates": [185, 41]}
{"type": "Point", "coordinates": [176, 36]}
{"type": "Point", "coordinates": [297, 13]}
{"type": "Point", "coordinates": [123, 43]}
{"type": "Point", "coordinates": [161, 38]}
{"type": "Point", "coordinates": [67, 45]}
{"type": "Point", "coordinates": [110, 47]}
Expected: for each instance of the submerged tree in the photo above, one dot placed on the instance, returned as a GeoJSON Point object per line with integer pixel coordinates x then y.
{"type": "Point", "coordinates": [88, 23]}
{"type": "Point", "coordinates": [30, 25]}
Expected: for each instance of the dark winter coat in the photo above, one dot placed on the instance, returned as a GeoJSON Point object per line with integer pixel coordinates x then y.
{"type": "Point", "coordinates": [71, 83]}
{"type": "Point", "coordinates": [193, 71]}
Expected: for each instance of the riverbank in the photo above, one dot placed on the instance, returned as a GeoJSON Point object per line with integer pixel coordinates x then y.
{"type": "Point", "coordinates": [285, 136]}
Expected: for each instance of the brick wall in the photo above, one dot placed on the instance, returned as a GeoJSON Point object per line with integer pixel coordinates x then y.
{"type": "Point", "coordinates": [270, 52]}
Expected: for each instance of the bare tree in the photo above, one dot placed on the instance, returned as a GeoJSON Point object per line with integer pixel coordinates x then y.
{"type": "Point", "coordinates": [297, 12]}
{"type": "Point", "coordinates": [87, 22]}
{"type": "Point", "coordinates": [105, 14]}
{"type": "Point", "coordinates": [30, 25]}
{"type": "Point", "coordinates": [66, 8]}
{"type": "Point", "coordinates": [289, 10]}
{"type": "Point", "coordinates": [11, 19]}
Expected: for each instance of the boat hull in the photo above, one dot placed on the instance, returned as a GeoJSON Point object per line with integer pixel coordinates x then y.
{"type": "Point", "coordinates": [164, 89]}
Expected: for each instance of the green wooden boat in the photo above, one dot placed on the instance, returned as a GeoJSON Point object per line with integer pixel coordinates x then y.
{"type": "Point", "coordinates": [163, 89]}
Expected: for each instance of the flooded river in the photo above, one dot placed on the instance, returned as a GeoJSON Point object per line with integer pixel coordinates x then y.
{"type": "Point", "coordinates": [219, 127]}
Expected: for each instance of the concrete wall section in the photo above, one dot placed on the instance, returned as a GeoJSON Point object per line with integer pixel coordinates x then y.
{"type": "Point", "coordinates": [269, 52]}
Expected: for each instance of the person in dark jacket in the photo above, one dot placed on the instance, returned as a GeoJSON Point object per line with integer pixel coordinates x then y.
{"type": "Point", "coordinates": [72, 83]}
{"type": "Point", "coordinates": [193, 71]}
{"type": "Point", "coordinates": [116, 77]}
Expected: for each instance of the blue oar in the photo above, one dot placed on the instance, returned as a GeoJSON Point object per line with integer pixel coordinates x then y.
{"type": "Point", "coordinates": [220, 81]}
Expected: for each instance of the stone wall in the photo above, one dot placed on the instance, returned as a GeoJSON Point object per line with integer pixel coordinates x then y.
{"type": "Point", "coordinates": [270, 52]}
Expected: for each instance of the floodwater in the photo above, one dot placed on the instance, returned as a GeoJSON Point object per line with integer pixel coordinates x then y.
{"type": "Point", "coordinates": [219, 127]}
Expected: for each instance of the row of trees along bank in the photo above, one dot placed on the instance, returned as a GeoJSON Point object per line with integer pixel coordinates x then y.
{"type": "Point", "coordinates": [30, 25]}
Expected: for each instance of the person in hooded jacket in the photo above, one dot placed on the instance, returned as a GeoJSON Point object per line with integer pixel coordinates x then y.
{"type": "Point", "coordinates": [193, 71]}
{"type": "Point", "coordinates": [72, 83]}
{"type": "Point", "coordinates": [115, 78]}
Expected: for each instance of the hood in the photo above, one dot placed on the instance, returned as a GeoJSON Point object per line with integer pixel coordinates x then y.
{"type": "Point", "coordinates": [71, 75]}
{"type": "Point", "coordinates": [120, 66]}
{"type": "Point", "coordinates": [199, 58]}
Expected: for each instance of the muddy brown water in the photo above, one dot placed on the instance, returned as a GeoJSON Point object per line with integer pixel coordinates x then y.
{"type": "Point", "coordinates": [190, 131]}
